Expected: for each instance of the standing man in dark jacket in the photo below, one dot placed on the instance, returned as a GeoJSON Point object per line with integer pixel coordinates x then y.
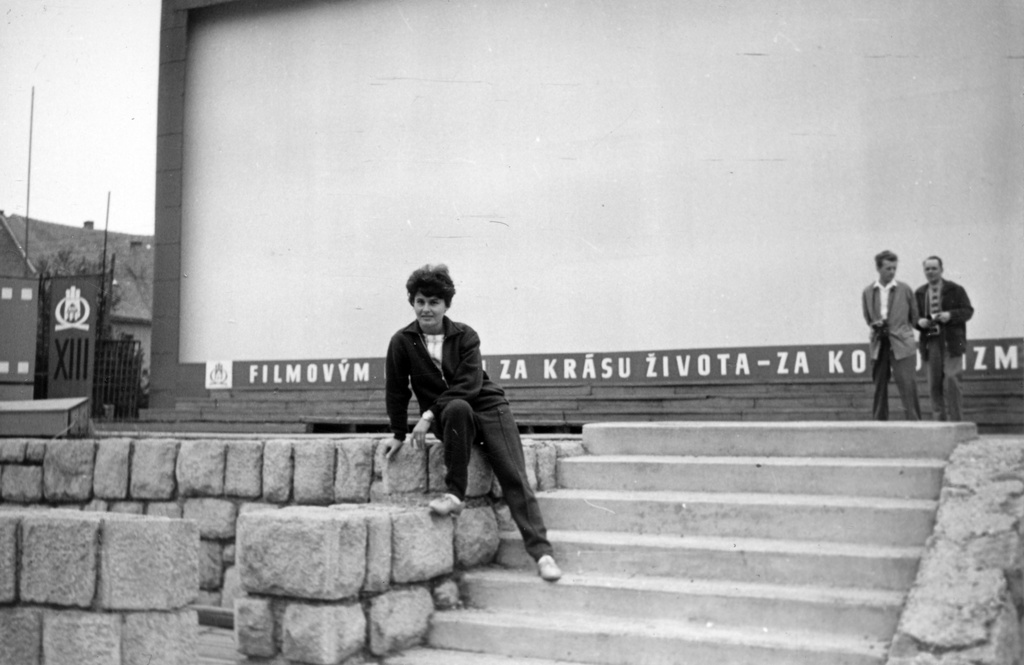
{"type": "Point", "coordinates": [945, 310]}
{"type": "Point", "coordinates": [439, 360]}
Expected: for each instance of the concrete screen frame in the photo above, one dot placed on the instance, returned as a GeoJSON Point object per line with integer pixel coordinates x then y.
{"type": "Point", "coordinates": [738, 319]}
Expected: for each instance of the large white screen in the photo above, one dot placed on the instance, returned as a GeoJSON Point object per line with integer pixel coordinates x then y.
{"type": "Point", "coordinates": [599, 176]}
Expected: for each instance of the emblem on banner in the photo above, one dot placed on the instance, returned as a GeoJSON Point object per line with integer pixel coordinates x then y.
{"type": "Point", "coordinates": [218, 374]}
{"type": "Point", "coordinates": [72, 311]}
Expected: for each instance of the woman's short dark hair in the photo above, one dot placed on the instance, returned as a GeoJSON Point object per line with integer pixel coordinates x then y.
{"type": "Point", "coordinates": [431, 281]}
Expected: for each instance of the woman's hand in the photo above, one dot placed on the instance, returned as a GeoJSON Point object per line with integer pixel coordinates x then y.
{"type": "Point", "coordinates": [392, 447]}
{"type": "Point", "coordinates": [419, 433]}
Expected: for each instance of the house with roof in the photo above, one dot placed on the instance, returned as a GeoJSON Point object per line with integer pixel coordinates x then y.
{"type": "Point", "coordinates": [131, 257]}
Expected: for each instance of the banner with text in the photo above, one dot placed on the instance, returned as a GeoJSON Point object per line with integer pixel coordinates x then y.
{"type": "Point", "coordinates": [988, 358]}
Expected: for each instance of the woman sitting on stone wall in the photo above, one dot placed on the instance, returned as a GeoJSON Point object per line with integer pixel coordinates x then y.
{"type": "Point", "coordinates": [440, 359]}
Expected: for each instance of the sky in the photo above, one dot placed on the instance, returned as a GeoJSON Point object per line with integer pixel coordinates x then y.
{"type": "Point", "coordinates": [94, 65]}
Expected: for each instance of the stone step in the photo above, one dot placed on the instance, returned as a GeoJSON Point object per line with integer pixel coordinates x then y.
{"type": "Point", "coordinates": [840, 519]}
{"type": "Point", "coordinates": [854, 476]}
{"type": "Point", "coordinates": [618, 641]}
{"type": "Point", "coordinates": [789, 439]}
{"type": "Point", "coordinates": [739, 559]}
{"type": "Point", "coordinates": [855, 612]}
{"type": "Point", "coordinates": [427, 656]}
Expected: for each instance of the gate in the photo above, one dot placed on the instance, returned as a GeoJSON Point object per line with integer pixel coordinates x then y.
{"type": "Point", "coordinates": [118, 376]}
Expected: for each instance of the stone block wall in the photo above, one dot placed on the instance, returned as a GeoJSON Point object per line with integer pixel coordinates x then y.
{"type": "Point", "coordinates": [96, 589]}
{"type": "Point", "coordinates": [345, 583]}
{"type": "Point", "coordinates": [214, 482]}
{"type": "Point", "coordinates": [967, 602]}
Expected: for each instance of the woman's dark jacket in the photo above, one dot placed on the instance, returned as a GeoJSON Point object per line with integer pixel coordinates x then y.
{"type": "Point", "coordinates": [461, 377]}
{"type": "Point", "coordinates": [952, 299]}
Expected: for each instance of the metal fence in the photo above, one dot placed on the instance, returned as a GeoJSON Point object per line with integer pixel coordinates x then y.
{"type": "Point", "coordinates": [117, 389]}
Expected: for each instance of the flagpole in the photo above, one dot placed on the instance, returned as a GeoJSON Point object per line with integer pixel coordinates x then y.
{"type": "Point", "coordinates": [28, 180]}
{"type": "Point", "coordinates": [106, 225]}
{"type": "Point", "coordinates": [102, 318]}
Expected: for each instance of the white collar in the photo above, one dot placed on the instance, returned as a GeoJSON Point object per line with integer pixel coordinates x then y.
{"type": "Point", "coordinates": [878, 285]}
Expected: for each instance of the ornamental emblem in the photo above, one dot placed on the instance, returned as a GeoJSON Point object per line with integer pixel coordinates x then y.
{"type": "Point", "coordinates": [218, 375]}
{"type": "Point", "coordinates": [72, 311]}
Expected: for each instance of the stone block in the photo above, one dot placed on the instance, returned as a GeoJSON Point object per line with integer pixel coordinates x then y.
{"type": "Point", "coordinates": [378, 544]}
{"type": "Point", "coordinates": [254, 507]}
{"type": "Point", "coordinates": [231, 588]}
{"type": "Point", "coordinates": [530, 459]}
{"type": "Point", "coordinates": [503, 515]}
{"type": "Point", "coordinates": [215, 517]}
{"type": "Point", "coordinates": [479, 477]}
{"type": "Point", "coordinates": [35, 451]}
{"type": "Point", "coordinates": [12, 451]}
{"type": "Point", "coordinates": [243, 473]}
{"type": "Point", "coordinates": [436, 468]}
{"type": "Point", "coordinates": [302, 552]}
{"type": "Point", "coordinates": [322, 634]}
{"type": "Point", "coordinates": [254, 627]}
{"type": "Point", "coordinates": [277, 470]}
{"type": "Point", "coordinates": [208, 598]}
{"type": "Point", "coordinates": [406, 471]}
{"type": "Point", "coordinates": [951, 604]}
{"type": "Point", "coordinates": [148, 563]}
{"type": "Point", "coordinates": [446, 595]}
{"type": "Point", "coordinates": [110, 475]}
{"type": "Point", "coordinates": [127, 507]}
{"type": "Point", "coordinates": [354, 471]}
{"type": "Point", "coordinates": [160, 638]}
{"type": "Point", "coordinates": [421, 546]}
{"type": "Point", "coordinates": [22, 483]}
{"type": "Point", "coordinates": [164, 509]}
{"type": "Point", "coordinates": [153, 463]}
{"type": "Point", "coordinates": [72, 637]}
{"type": "Point", "coordinates": [96, 506]}
{"type": "Point", "coordinates": [476, 537]}
{"type": "Point", "coordinates": [58, 558]}
{"type": "Point", "coordinates": [378, 493]}
{"type": "Point", "coordinates": [974, 464]}
{"type": "Point", "coordinates": [200, 468]}
{"type": "Point", "coordinates": [229, 554]}
{"type": "Point", "coordinates": [547, 467]}
{"type": "Point", "coordinates": [378, 551]}
{"type": "Point", "coordinates": [313, 482]}
{"type": "Point", "coordinates": [570, 448]}
{"type": "Point", "coordinates": [9, 527]}
{"type": "Point", "coordinates": [21, 635]}
{"type": "Point", "coordinates": [399, 619]}
{"type": "Point", "coordinates": [211, 564]}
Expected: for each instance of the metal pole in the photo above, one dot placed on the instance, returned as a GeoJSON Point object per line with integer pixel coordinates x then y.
{"type": "Point", "coordinates": [106, 226]}
{"type": "Point", "coordinates": [103, 285]}
{"type": "Point", "coordinates": [28, 180]}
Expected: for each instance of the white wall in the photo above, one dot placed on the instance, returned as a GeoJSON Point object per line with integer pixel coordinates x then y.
{"type": "Point", "coordinates": [599, 176]}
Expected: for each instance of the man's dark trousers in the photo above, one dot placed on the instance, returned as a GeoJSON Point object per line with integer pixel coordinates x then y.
{"type": "Point", "coordinates": [459, 428]}
{"type": "Point", "coordinates": [902, 372]}
{"type": "Point", "coordinates": [944, 372]}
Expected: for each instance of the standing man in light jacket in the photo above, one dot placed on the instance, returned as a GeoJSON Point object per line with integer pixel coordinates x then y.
{"type": "Point", "coordinates": [439, 361]}
{"type": "Point", "coordinates": [890, 310]}
{"type": "Point", "coordinates": [945, 310]}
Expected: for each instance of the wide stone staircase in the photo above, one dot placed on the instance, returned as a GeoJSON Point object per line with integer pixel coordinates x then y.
{"type": "Point", "coordinates": [713, 543]}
